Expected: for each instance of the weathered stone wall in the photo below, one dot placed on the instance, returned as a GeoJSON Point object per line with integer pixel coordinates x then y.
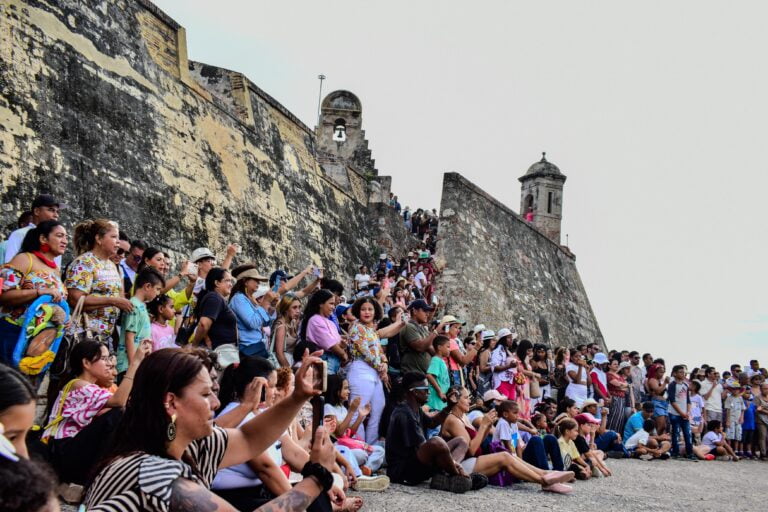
{"type": "Point", "coordinates": [503, 272]}
{"type": "Point", "coordinates": [100, 106]}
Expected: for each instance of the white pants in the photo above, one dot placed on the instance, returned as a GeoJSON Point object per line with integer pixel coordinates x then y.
{"type": "Point", "coordinates": [364, 382]}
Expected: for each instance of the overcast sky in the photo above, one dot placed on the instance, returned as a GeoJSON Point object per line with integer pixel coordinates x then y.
{"type": "Point", "coordinates": [655, 111]}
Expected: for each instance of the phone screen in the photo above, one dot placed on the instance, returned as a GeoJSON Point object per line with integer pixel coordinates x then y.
{"type": "Point", "coordinates": [318, 405]}
{"type": "Point", "coordinates": [276, 288]}
{"type": "Point", "coordinates": [320, 376]}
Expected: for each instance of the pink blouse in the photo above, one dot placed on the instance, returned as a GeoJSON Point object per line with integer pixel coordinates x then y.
{"type": "Point", "coordinates": [80, 407]}
{"type": "Point", "coordinates": [322, 332]}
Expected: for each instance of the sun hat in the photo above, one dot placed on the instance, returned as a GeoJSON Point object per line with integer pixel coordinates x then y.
{"type": "Point", "coordinates": [488, 335]}
{"type": "Point", "coordinates": [251, 274]}
{"type": "Point", "coordinates": [478, 328]}
{"type": "Point", "coordinates": [586, 403]}
{"type": "Point", "coordinates": [450, 320]}
{"type": "Point", "coordinates": [624, 364]}
{"type": "Point", "coordinates": [600, 358]}
{"type": "Point", "coordinates": [586, 417]}
{"type": "Point", "coordinates": [503, 332]}
{"type": "Point", "coordinates": [201, 253]}
{"type": "Point", "coordinates": [492, 394]}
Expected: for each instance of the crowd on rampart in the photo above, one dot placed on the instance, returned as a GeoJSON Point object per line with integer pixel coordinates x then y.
{"type": "Point", "coordinates": [198, 387]}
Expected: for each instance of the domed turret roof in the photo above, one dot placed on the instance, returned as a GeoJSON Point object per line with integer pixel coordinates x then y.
{"type": "Point", "coordinates": [543, 168]}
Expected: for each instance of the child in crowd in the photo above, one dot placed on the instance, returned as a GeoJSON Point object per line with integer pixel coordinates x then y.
{"type": "Point", "coordinates": [369, 457]}
{"type": "Point", "coordinates": [572, 460]}
{"type": "Point", "coordinates": [161, 312]}
{"type": "Point", "coordinates": [714, 444]}
{"type": "Point", "coordinates": [644, 445]}
{"type": "Point", "coordinates": [748, 427]}
{"type": "Point", "coordinates": [437, 373]}
{"type": "Point", "coordinates": [539, 421]}
{"type": "Point", "coordinates": [697, 408]}
{"type": "Point", "coordinates": [734, 417]}
{"type": "Point", "coordinates": [506, 431]}
{"type": "Point", "coordinates": [585, 443]}
{"type": "Point", "coordinates": [136, 324]}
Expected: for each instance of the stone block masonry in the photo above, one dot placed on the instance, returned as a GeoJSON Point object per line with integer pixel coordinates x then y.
{"type": "Point", "coordinates": [100, 105]}
{"type": "Point", "coordinates": [502, 272]}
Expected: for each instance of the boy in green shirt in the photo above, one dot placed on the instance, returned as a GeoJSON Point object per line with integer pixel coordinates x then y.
{"type": "Point", "coordinates": [437, 374]}
{"type": "Point", "coordinates": [136, 324]}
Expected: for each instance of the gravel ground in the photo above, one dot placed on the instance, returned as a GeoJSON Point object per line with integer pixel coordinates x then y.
{"type": "Point", "coordinates": [635, 486]}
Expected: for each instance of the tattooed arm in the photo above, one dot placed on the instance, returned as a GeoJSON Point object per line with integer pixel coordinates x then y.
{"type": "Point", "coordinates": [188, 496]}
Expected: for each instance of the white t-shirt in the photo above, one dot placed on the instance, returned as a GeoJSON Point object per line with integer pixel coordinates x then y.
{"type": "Point", "coordinates": [473, 415]}
{"type": "Point", "coordinates": [715, 401]}
{"type": "Point", "coordinates": [506, 432]}
{"type": "Point", "coordinates": [639, 438]}
{"type": "Point", "coordinates": [576, 392]}
{"type": "Point", "coordinates": [420, 280]}
{"type": "Point", "coordinates": [362, 280]}
{"type": "Point", "coordinates": [697, 406]}
{"type": "Point", "coordinates": [335, 410]}
{"type": "Point", "coordinates": [710, 438]}
{"type": "Point", "coordinates": [499, 357]}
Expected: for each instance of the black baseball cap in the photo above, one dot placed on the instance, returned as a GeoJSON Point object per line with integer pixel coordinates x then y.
{"type": "Point", "coordinates": [47, 200]}
{"type": "Point", "coordinates": [420, 304]}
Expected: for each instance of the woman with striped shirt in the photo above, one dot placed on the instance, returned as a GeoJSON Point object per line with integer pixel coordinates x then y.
{"type": "Point", "coordinates": [167, 449]}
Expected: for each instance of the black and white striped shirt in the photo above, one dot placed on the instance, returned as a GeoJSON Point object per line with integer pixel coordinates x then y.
{"type": "Point", "coordinates": [142, 482]}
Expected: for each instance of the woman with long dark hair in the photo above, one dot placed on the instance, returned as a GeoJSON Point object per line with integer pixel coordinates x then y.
{"type": "Point", "coordinates": [85, 412]}
{"type": "Point", "coordinates": [167, 449]}
{"type": "Point", "coordinates": [33, 272]}
{"type": "Point", "coordinates": [317, 331]}
{"type": "Point", "coordinates": [284, 329]}
{"type": "Point", "coordinates": [524, 376]}
{"type": "Point", "coordinates": [484, 369]}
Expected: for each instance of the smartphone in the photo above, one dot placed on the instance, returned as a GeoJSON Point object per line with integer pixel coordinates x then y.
{"type": "Point", "coordinates": [446, 328]}
{"type": "Point", "coordinates": [320, 376]}
{"type": "Point", "coordinates": [435, 299]}
{"type": "Point", "coordinates": [318, 406]}
{"type": "Point", "coordinates": [276, 288]}
{"type": "Point", "coordinates": [191, 268]}
{"type": "Point", "coordinates": [317, 272]}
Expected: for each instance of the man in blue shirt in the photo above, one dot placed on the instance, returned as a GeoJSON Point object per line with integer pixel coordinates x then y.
{"type": "Point", "coordinates": [635, 422]}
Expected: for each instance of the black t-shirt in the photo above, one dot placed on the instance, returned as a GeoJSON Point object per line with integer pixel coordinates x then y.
{"type": "Point", "coordinates": [404, 436]}
{"type": "Point", "coordinates": [581, 444]}
{"type": "Point", "coordinates": [224, 327]}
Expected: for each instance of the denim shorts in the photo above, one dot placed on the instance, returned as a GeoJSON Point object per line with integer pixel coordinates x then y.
{"type": "Point", "coordinates": [660, 407]}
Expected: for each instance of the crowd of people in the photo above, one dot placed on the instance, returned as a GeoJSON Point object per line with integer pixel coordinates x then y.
{"type": "Point", "coordinates": [190, 389]}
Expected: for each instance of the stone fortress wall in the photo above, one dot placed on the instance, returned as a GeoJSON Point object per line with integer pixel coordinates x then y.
{"type": "Point", "coordinates": [100, 105]}
{"type": "Point", "coordinates": [504, 272]}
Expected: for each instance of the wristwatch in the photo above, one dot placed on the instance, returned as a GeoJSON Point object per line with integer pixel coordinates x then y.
{"type": "Point", "coordinates": [323, 476]}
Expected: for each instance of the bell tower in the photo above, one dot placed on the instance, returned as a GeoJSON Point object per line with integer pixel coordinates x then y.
{"type": "Point", "coordinates": [340, 135]}
{"type": "Point", "coordinates": [541, 197]}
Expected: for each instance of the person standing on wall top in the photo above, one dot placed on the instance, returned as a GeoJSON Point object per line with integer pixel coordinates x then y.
{"type": "Point", "coordinates": [44, 207]}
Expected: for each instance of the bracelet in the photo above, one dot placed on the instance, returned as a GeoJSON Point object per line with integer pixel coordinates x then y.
{"type": "Point", "coordinates": [323, 476]}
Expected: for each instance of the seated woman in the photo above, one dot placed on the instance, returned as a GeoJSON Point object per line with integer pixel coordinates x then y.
{"type": "Point", "coordinates": [31, 273]}
{"type": "Point", "coordinates": [457, 425]}
{"type": "Point", "coordinates": [85, 412]}
{"type": "Point", "coordinates": [167, 430]}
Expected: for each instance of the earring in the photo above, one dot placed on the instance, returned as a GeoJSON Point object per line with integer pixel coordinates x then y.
{"type": "Point", "coordinates": [172, 428]}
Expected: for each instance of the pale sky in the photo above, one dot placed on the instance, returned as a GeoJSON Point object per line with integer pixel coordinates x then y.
{"type": "Point", "coordinates": [655, 111]}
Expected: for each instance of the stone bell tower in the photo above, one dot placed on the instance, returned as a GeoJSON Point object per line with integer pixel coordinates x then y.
{"type": "Point", "coordinates": [542, 193]}
{"type": "Point", "coordinates": [340, 136]}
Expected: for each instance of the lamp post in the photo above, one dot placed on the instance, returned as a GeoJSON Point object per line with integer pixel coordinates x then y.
{"type": "Point", "coordinates": [320, 77]}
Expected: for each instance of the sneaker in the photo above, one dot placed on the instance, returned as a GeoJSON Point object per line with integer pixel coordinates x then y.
{"type": "Point", "coordinates": [479, 481]}
{"type": "Point", "coordinates": [452, 483]}
{"type": "Point", "coordinates": [71, 493]}
{"type": "Point", "coordinates": [724, 458]}
{"type": "Point", "coordinates": [646, 456]}
{"type": "Point", "coordinates": [615, 454]}
{"type": "Point", "coordinates": [372, 483]}
{"type": "Point", "coordinates": [664, 456]}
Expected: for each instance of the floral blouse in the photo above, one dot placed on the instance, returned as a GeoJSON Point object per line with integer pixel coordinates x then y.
{"type": "Point", "coordinates": [14, 279]}
{"type": "Point", "coordinates": [365, 345]}
{"type": "Point", "coordinates": [100, 278]}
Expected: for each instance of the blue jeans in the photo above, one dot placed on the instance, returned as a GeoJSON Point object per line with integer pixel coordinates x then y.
{"type": "Point", "coordinates": [537, 450]}
{"type": "Point", "coordinates": [333, 361]}
{"type": "Point", "coordinates": [608, 442]}
{"type": "Point", "coordinates": [677, 423]}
